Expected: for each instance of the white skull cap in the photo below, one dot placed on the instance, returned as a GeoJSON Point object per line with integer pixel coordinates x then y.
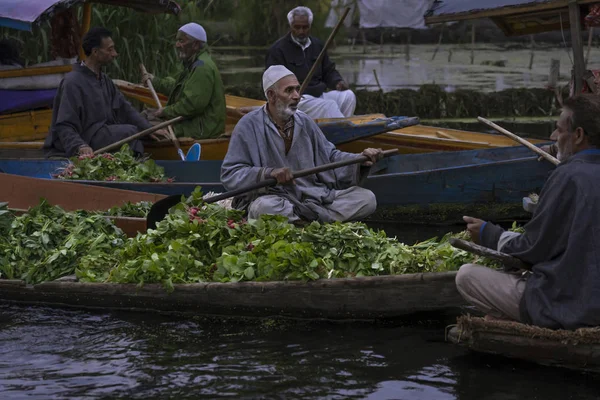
{"type": "Point", "coordinates": [273, 74]}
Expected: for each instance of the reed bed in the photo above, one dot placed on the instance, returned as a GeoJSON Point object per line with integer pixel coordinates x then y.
{"type": "Point", "coordinates": [150, 39]}
{"type": "Point", "coordinates": [431, 101]}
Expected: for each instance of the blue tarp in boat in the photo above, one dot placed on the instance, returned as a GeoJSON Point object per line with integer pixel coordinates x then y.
{"type": "Point", "coordinates": [24, 14]}
{"type": "Point", "coordinates": [20, 100]}
{"type": "Point", "coordinates": [449, 7]}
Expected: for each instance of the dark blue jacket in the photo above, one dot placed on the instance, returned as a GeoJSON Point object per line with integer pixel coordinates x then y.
{"type": "Point", "coordinates": [562, 243]}
{"type": "Point", "coordinates": [289, 54]}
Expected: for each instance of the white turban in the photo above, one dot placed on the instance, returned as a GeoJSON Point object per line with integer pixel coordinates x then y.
{"type": "Point", "coordinates": [194, 30]}
{"type": "Point", "coordinates": [273, 74]}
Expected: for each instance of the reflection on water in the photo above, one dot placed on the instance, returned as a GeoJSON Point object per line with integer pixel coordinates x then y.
{"type": "Point", "coordinates": [50, 353]}
{"type": "Point", "coordinates": [449, 70]}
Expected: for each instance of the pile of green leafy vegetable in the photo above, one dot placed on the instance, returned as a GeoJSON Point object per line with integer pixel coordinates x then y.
{"type": "Point", "coordinates": [199, 242]}
{"type": "Point", "coordinates": [121, 166]}
{"type": "Point", "coordinates": [6, 218]}
{"type": "Point", "coordinates": [47, 242]}
{"type": "Point", "coordinates": [129, 209]}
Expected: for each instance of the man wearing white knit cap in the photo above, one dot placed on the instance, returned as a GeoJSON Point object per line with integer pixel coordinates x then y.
{"type": "Point", "coordinates": [197, 94]}
{"type": "Point", "coordinates": [297, 50]}
{"type": "Point", "coordinates": [276, 139]}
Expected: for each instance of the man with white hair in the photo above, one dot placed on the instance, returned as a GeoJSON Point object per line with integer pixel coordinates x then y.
{"type": "Point", "coordinates": [198, 92]}
{"type": "Point", "coordinates": [298, 51]}
{"type": "Point", "coordinates": [276, 139]}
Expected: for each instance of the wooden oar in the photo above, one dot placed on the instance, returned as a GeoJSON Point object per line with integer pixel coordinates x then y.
{"type": "Point", "coordinates": [138, 135]}
{"type": "Point", "coordinates": [159, 105]}
{"type": "Point", "coordinates": [314, 67]}
{"type": "Point", "coordinates": [524, 142]}
{"type": "Point", "coordinates": [509, 261]}
{"type": "Point", "coordinates": [161, 208]}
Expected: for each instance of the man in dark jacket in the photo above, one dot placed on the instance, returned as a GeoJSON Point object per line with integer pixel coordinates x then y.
{"type": "Point", "coordinates": [89, 112]}
{"type": "Point", "coordinates": [298, 51]}
{"type": "Point", "coordinates": [561, 242]}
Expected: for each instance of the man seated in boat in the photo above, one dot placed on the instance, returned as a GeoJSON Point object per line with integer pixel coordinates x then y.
{"type": "Point", "coordinates": [197, 93]}
{"type": "Point", "coordinates": [89, 112]}
{"type": "Point", "coordinates": [561, 242]}
{"type": "Point", "coordinates": [298, 51]}
{"type": "Point", "coordinates": [275, 139]}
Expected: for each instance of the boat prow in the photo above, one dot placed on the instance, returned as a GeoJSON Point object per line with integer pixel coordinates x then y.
{"type": "Point", "coordinates": [23, 192]}
{"type": "Point", "coordinates": [579, 349]}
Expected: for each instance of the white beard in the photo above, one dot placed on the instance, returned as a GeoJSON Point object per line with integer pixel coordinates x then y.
{"type": "Point", "coordinates": [284, 111]}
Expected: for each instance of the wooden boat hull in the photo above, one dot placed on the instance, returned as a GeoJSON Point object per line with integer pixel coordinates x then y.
{"type": "Point", "coordinates": [337, 131]}
{"type": "Point", "coordinates": [426, 139]}
{"type": "Point", "coordinates": [338, 299]}
{"type": "Point", "coordinates": [427, 188]}
{"type": "Point", "coordinates": [578, 350]}
{"type": "Point", "coordinates": [340, 132]}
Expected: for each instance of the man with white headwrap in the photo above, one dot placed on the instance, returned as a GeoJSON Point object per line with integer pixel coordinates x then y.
{"type": "Point", "coordinates": [198, 92]}
{"type": "Point", "coordinates": [298, 51]}
{"type": "Point", "coordinates": [276, 139]}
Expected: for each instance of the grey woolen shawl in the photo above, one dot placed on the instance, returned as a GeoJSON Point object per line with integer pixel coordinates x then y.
{"type": "Point", "coordinates": [256, 148]}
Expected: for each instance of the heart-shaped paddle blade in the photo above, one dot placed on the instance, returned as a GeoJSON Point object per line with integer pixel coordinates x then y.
{"type": "Point", "coordinates": [194, 152]}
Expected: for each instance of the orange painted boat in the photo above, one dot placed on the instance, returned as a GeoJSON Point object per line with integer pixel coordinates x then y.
{"type": "Point", "coordinates": [21, 193]}
{"type": "Point", "coordinates": [21, 134]}
{"type": "Point", "coordinates": [411, 139]}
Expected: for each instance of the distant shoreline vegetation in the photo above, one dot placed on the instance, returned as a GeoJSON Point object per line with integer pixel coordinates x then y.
{"type": "Point", "coordinates": [431, 101]}
{"type": "Point", "coordinates": [150, 38]}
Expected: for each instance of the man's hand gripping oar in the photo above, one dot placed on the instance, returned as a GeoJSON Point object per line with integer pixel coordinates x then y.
{"type": "Point", "coordinates": [161, 207]}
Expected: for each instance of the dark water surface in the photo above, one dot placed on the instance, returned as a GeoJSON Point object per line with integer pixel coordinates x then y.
{"type": "Point", "coordinates": [54, 353]}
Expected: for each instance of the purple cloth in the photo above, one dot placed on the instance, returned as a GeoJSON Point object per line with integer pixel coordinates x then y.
{"type": "Point", "coordinates": [21, 100]}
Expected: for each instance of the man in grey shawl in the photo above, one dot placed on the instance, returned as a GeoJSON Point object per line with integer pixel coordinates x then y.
{"type": "Point", "coordinates": [560, 243]}
{"type": "Point", "coordinates": [276, 139]}
{"type": "Point", "coordinates": [89, 112]}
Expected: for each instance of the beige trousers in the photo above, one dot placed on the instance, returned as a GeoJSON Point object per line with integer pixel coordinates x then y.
{"type": "Point", "coordinates": [494, 292]}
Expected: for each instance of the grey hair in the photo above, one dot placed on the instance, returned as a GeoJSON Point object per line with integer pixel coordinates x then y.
{"type": "Point", "coordinates": [300, 11]}
{"type": "Point", "coordinates": [272, 87]}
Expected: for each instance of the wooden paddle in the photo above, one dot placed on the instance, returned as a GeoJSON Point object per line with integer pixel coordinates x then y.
{"type": "Point", "coordinates": [524, 142]}
{"type": "Point", "coordinates": [312, 70]}
{"type": "Point", "coordinates": [138, 135]}
{"type": "Point", "coordinates": [159, 105]}
{"type": "Point", "coordinates": [161, 208]}
{"type": "Point", "coordinates": [509, 261]}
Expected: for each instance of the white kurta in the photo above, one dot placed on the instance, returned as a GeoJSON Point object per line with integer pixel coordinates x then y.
{"type": "Point", "coordinates": [332, 104]}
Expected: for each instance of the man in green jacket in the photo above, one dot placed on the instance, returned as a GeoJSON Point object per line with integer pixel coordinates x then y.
{"type": "Point", "coordinates": [198, 92]}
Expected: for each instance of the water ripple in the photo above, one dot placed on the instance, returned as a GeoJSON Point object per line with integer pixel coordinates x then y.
{"type": "Point", "coordinates": [49, 353]}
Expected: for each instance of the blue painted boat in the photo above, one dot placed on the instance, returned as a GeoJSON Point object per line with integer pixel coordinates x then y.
{"type": "Point", "coordinates": [347, 130]}
{"type": "Point", "coordinates": [432, 187]}
{"type": "Point", "coordinates": [337, 131]}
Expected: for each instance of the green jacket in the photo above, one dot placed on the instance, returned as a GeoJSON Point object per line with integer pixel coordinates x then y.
{"type": "Point", "coordinates": [197, 94]}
